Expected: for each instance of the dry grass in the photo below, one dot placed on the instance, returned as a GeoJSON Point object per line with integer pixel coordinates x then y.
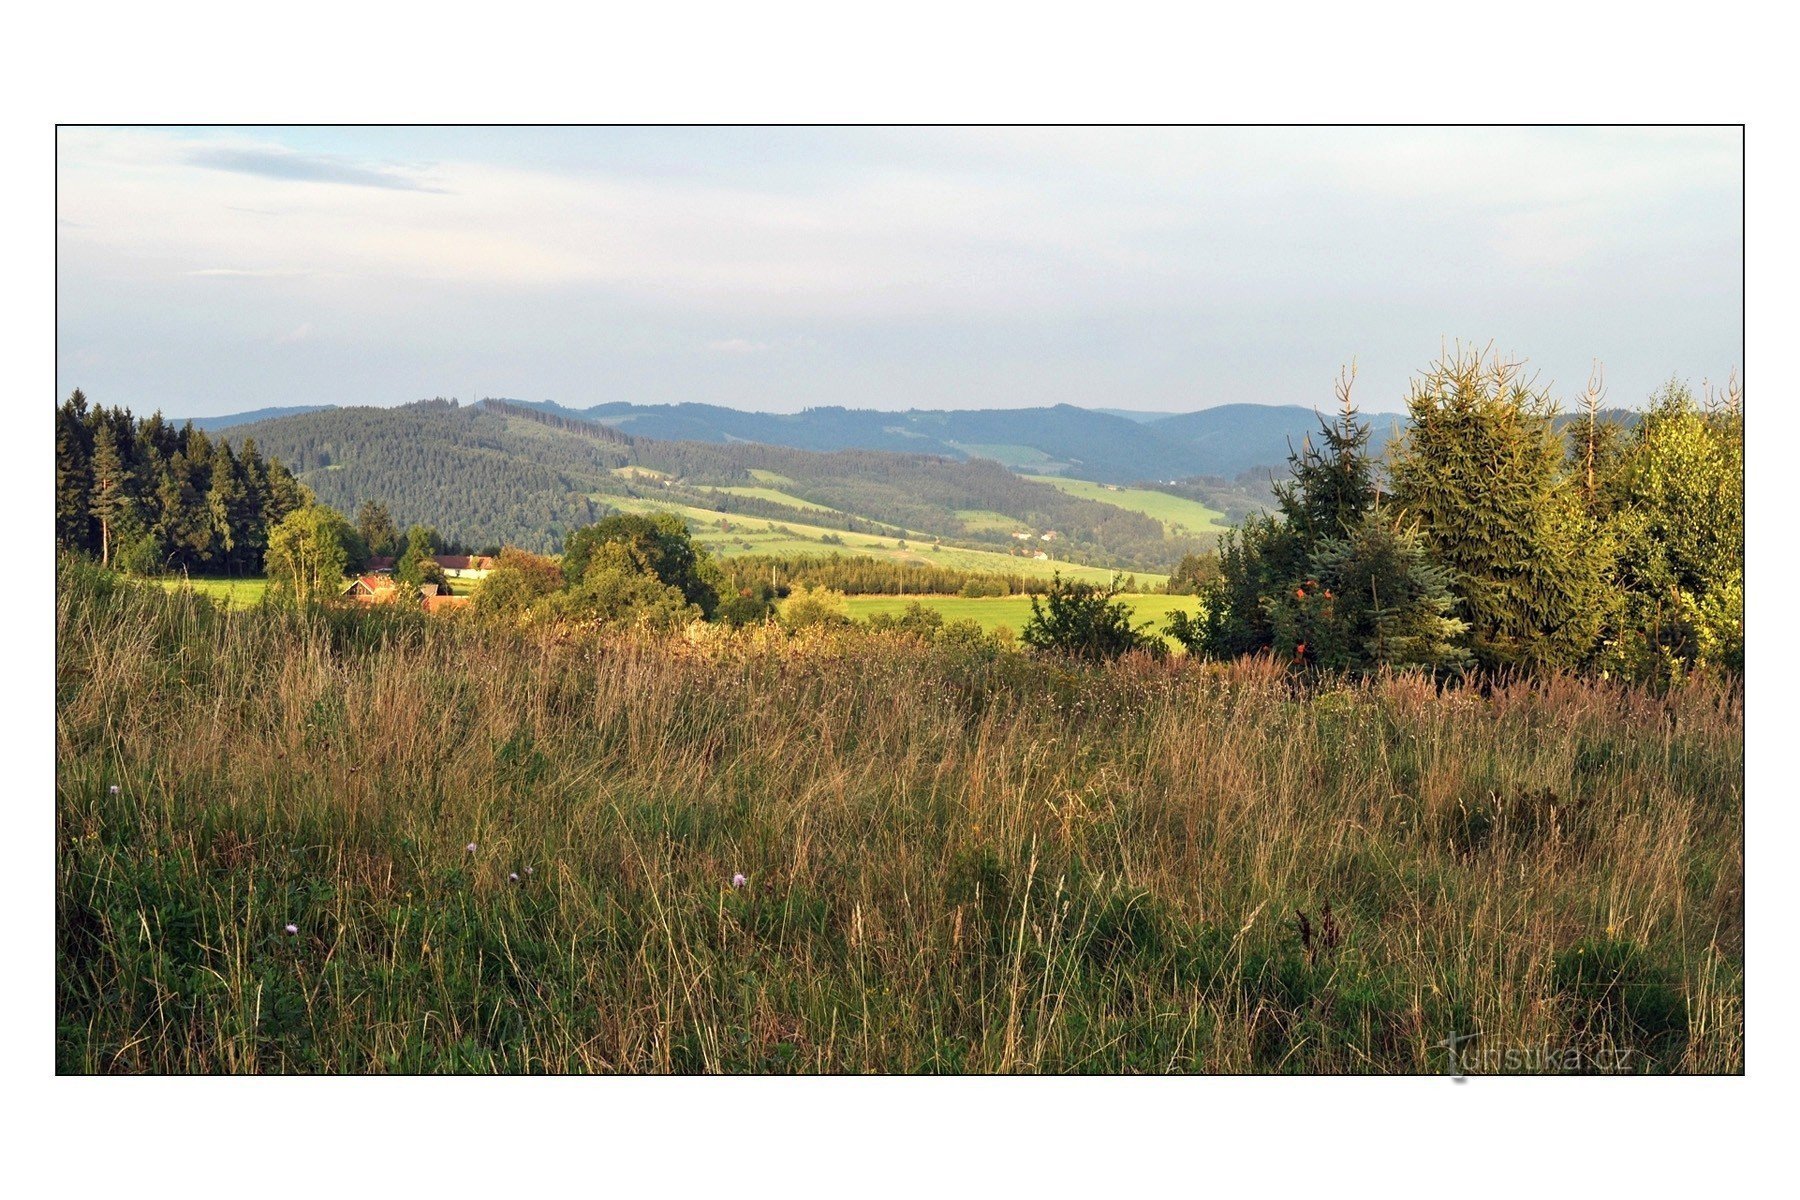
{"type": "Point", "coordinates": [959, 860]}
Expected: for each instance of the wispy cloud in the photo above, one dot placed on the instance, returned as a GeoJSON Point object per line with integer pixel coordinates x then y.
{"type": "Point", "coordinates": [300, 334]}
{"type": "Point", "coordinates": [1160, 268]}
{"type": "Point", "coordinates": [303, 168]}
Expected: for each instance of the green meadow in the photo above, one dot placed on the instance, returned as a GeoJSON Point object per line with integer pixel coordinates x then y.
{"type": "Point", "coordinates": [1178, 514]}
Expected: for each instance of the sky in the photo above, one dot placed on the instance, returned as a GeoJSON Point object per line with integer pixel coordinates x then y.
{"type": "Point", "coordinates": [209, 271]}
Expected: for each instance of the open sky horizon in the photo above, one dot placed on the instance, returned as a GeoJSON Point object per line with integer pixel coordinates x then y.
{"type": "Point", "coordinates": [210, 271]}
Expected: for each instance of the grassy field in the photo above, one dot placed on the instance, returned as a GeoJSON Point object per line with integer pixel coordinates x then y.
{"type": "Point", "coordinates": [955, 858]}
{"type": "Point", "coordinates": [761, 535]}
{"type": "Point", "coordinates": [1010, 611]}
{"type": "Point", "coordinates": [778, 497]}
{"type": "Point", "coordinates": [1178, 514]}
{"type": "Point", "coordinates": [984, 520]}
{"type": "Point", "coordinates": [233, 591]}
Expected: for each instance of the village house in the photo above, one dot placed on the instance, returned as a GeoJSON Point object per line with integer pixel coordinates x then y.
{"type": "Point", "coordinates": [384, 589]}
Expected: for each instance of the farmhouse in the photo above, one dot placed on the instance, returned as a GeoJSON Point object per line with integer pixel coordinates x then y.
{"type": "Point", "coordinates": [383, 589]}
{"type": "Point", "coordinates": [371, 588]}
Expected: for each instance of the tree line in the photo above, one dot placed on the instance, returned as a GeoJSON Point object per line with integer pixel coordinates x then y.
{"type": "Point", "coordinates": [145, 496]}
{"type": "Point", "coordinates": [1489, 540]}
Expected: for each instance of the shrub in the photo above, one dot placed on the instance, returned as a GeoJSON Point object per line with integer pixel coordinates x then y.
{"type": "Point", "coordinates": [814, 607]}
{"type": "Point", "coordinates": [1085, 621]}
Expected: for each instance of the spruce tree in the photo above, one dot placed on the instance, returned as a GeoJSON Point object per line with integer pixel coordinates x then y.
{"type": "Point", "coordinates": [1481, 471]}
{"type": "Point", "coordinates": [111, 501]}
{"type": "Point", "coordinates": [227, 505]}
{"type": "Point", "coordinates": [74, 475]}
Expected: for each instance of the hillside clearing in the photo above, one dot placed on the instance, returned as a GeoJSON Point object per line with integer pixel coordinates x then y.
{"type": "Point", "coordinates": [1178, 514]}
{"type": "Point", "coordinates": [761, 535]}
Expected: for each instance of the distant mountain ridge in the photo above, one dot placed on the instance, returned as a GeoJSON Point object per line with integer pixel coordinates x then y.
{"type": "Point", "coordinates": [1105, 446]}
{"type": "Point", "coordinates": [214, 424]}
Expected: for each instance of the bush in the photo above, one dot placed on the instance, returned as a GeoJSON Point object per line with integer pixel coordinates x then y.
{"type": "Point", "coordinates": [1083, 620]}
{"type": "Point", "coordinates": [814, 607]}
{"type": "Point", "coordinates": [519, 580]}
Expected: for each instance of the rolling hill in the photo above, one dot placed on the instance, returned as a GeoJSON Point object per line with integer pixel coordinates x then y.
{"type": "Point", "coordinates": [499, 473]}
{"type": "Point", "coordinates": [1101, 445]}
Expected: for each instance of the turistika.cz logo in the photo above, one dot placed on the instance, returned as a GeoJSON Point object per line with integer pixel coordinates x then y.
{"type": "Point", "coordinates": [1465, 1060]}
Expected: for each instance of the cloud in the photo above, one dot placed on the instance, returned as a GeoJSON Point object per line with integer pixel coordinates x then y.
{"type": "Point", "coordinates": [1169, 268]}
{"type": "Point", "coordinates": [302, 168]}
{"type": "Point", "coordinates": [300, 334]}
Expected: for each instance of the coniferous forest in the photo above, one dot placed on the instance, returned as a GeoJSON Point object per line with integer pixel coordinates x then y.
{"type": "Point", "coordinates": [147, 497]}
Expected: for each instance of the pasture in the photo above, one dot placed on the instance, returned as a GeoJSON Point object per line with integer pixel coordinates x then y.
{"type": "Point", "coordinates": [240, 591]}
{"type": "Point", "coordinates": [992, 612]}
{"type": "Point", "coordinates": [763, 535]}
{"type": "Point", "coordinates": [1179, 515]}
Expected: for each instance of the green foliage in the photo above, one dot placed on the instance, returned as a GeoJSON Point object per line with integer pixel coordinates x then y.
{"type": "Point", "coordinates": [816, 607]}
{"type": "Point", "coordinates": [657, 546]}
{"type": "Point", "coordinates": [418, 564]}
{"type": "Point", "coordinates": [1674, 503]}
{"type": "Point", "coordinates": [749, 605]}
{"type": "Point", "coordinates": [311, 551]}
{"type": "Point", "coordinates": [378, 531]}
{"type": "Point", "coordinates": [1481, 469]}
{"type": "Point", "coordinates": [1373, 598]}
{"type": "Point", "coordinates": [1085, 621]}
{"type": "Point", "coordinates": [153, 498]}
{"type": "Point", "coordinates": [519, 580]}
{"type": "Point", "coordinates": [918, 618]}
{"type": "Point", "coordinates": [616, 591]}
{"type": "Point", "coordinates": [1267, 590]}
{"type": "Point", "coordinates": [1193, 574]}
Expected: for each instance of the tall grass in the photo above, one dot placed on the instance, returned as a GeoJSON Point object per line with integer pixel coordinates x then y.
{"type": "Point", "coordinates": [957, 859]}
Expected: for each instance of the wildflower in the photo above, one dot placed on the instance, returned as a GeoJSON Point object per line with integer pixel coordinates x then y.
{"type": "Point", "coordinates": [738, 881]}
{"type": "Point", "coordinates": [114, 789]}
{"type": "Point", "coordinates": [1328, 593]}
{"type": "Point", "coordinates": [1299, 593]}
{"type": "Point", "coordinates": [528, 870]}
{"type": "Point", "coordinates": [1300, 650]}
{"type": "Point", "coordinates": [292, 929]}
{"type": "Point", "coordinates": [514, 877]}
{"type": "Point", "coordinates": [470, 847]}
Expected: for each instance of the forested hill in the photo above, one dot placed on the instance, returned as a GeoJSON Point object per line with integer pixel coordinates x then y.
{"type": "Point", "coordinates": [1107, 447]}
{"type": "Point", "coordinates": [499, 473]}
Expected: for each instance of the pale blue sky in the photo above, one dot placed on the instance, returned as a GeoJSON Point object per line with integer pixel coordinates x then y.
{"type": "Point", "coordinates": [206, 271]}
